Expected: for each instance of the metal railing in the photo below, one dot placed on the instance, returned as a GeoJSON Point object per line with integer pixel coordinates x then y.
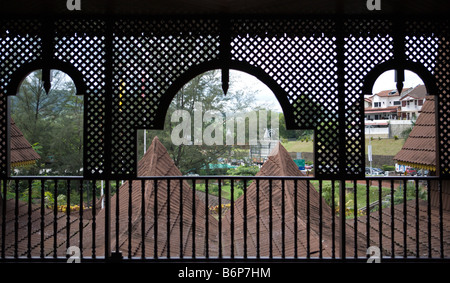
{"type": "Point", "coordinates": [188, 218]}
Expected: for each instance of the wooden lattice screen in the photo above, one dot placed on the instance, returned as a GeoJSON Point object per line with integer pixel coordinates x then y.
{"type": "Point", "coordinates": [129, 69]}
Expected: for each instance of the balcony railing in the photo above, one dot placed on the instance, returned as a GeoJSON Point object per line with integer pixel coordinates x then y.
{"type": "Point", "coordinates": [190, 218]}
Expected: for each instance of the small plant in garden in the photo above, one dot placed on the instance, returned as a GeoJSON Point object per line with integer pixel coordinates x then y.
{"type": "Point", "coordinates": [215, 209]}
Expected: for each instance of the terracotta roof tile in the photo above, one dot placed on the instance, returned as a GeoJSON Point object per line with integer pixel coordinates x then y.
{"type": "Point", "coordinates": [385, 93]}
{"type": "Point", "coordinates": [32, 217]}
{"type": "Point", "coordinates": [419, 149]}
{"type": "Point", "coordinates": [412, 241]}
{"type": "Point", "coordinates": [21, 150]}
{"type": "Point", "coordinates": [419, 91]}
{"type": "Point", "coordinates": [281, 164]}
{"type": "Point", "coordinates": [157, 162]}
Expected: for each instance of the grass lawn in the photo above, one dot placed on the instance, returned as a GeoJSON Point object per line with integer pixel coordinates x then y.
{"type": "Point", "coordinates": [361, 196]}
{"type": "Point", "coordinates": [379, 147]}
{"type": "Point", "coordinates": [226, 190]}
{"type": "Point", "coordinates": [385, 146]}
{"type": "Point", "coordinates": [298, 146]}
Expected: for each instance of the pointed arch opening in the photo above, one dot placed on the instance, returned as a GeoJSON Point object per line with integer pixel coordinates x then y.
{"type": "Point", "coordinates": [47, 125]}
{"type": "Point", "coordinates": [400, 124]}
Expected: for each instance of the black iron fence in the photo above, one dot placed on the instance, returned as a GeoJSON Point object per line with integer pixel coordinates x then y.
{"type": "Point", "coordinates": [222, 217]}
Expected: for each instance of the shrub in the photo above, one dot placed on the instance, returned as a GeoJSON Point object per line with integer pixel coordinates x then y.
{"type": "Point", "coordinates": [388, 167]}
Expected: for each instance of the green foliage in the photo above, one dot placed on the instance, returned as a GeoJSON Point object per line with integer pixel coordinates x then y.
{"type": "Point", "coordinates": [399, 196]}
{"type": "Point", "coordinates": [243, 170]}
{"type": "Point", "coordinates": [388, 167]}
{"type": "Point", "coordinates": [405, 133]}
{"type": "Point", "coordinates": [207, 89]}
{"type": "Point", "coordinates": [52, 123]}
{"type": "Point", "coordinates": [286, 135]}
{"type": "Point", "coordinates": [213, 189]}
{"type": "Point", "coordinates": [327, 193]}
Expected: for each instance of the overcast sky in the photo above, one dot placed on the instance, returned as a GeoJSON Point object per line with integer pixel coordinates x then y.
{"type": "Point", "coordinates": [265, 96]}
{"type": "Point", "coordinates": [387, 81]}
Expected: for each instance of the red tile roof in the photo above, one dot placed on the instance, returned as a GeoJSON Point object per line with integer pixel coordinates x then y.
{"type": "Point", "coordinates": [157, 162]}
{"type": "Point", "coordinates": [419, 150]}
{"type": "Point", "coordinates": [21, 151]}
{"type": "Point", "coordinates": [390, 109]}
{"type": "Point", "coordinates": [281, 164]}
{"type": "Point", "coordinates": [385, 93]}
{"type": "Point", "coordinates": [419, 91]}
{"type": "Point", "coordinates": [413, 241]}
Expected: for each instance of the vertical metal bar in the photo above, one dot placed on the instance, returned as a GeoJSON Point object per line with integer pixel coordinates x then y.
{"type": "Point", "coordinates": [181, 218]}
{"type": "Point", "coordinates": [109, 90]}
{"type": "Point", "coordinates": [245, 218]}
{"type": "Point", "coordinates": [81, 219]}
{"type": "Point", "coordinates": [206, 218]}
{"type": "Point", "coordinates": [380, 218]}
{"type": "Point", "coordinates": [367, 215]}
{"type": "Point", "coordinates": [143, 218]}
{"type": "Point", "coordinates": [258, 238]}
{"type": "Point", "coordinates": [130, 215]}
{"type": "Point", "coordinates": [404, 219]}
{"type": "Point", "coordinates": [220, 218]}
{"type": "Point", "coordinates": [155, 218]}
{"type": "Point", "coordinates": [94, 216]}
{"type": "Point", "coordinates": [168, 219]}
{"type": "Point", "coordinates": [308, 224]}
{"type": "Point", "coordinates": [295, 219]}
{"type": "Point", "coordinates": [117, 216]}
{"type": "Point", "coordinates": [193, 217]}
{"type": "Point", "coordinates": [55, 219]}
{"type": "Point", "coordinates": [107, 208]}
{"type": "Point", "coordinates": [340, 57]}
{"type": "Point", "coordinates": [320, 220]}
{"type": "Point", "coordinates": [342, 253]}
{"type": "Point", "coordinates": [441, 223]}
{"type": "Point", "coordinates": [29, 218]}
{"type": "Point", "coordinates": [270, 221]}
{"type": "Point", "coordinates": [16, 219]}
{"type": "Point", "coordinates": [42, 217]}
{"type": "Point", "coordinates": [355, 214]}
{"type": "Point", "coordinates": [429, 216]}
{"type": "Point", "coordinates": [232, 218]}
{"type": "Point", "coordinates": [283, 247]}
{"type": "Point", "coordinates": [392, 220]}
{"type": "Point", "coordinates": [3, 199]}
{"type": "Point", "coordinates": [333, 224]}
{"type": "Point", "coordinates": [68, 192]}
{"type": "Point", "coordinates": [417, 218]}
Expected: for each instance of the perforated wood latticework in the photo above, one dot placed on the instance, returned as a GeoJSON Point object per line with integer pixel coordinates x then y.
{"type": "Point", "coordinates": [132, 67]}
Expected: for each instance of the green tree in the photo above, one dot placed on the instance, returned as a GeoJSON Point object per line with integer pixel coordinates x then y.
{"type": "Point", "coordinates": [51, 122]}
{"type": "Point", "coordinates": [286, 134]}
{"type": "Point", "coordinates": [207, 89]}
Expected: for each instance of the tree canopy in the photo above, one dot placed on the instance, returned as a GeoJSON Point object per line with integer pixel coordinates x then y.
{"type": "Point", "coordinates": [52, 122]}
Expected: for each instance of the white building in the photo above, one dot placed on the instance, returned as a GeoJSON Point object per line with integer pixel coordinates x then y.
{"type": "Point", "coordinates": [384, 110]}
{"type": "Point", "coordinates": [384, 105]}
{"type": "Point", "coordinates": [411, 103]}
